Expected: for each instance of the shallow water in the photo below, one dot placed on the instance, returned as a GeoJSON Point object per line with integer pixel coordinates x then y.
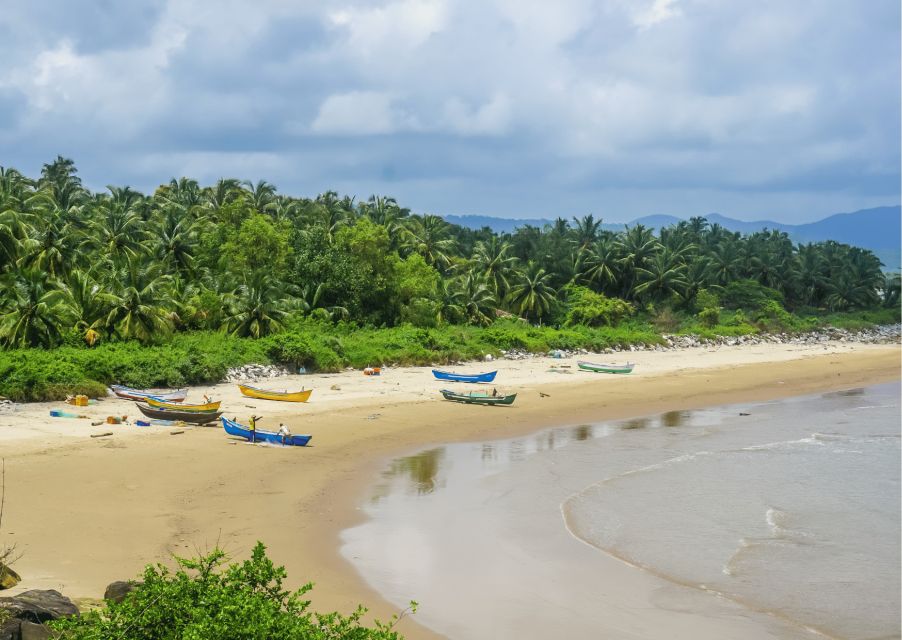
{"type": "Point", "coordinates": [790, 513]}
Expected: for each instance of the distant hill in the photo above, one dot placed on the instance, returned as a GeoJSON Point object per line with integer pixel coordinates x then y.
{"type": "Point", "coordinates": [878, 229]}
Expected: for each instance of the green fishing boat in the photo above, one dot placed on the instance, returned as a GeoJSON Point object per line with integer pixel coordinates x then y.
{"type": "Point", "coordinates": [605, 368]}
{"type": "Point", "coordinates": [478, 397]}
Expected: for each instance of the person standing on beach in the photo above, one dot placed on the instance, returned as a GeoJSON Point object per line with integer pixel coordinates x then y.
{"type": "Point", "coordinates": [253, 423]}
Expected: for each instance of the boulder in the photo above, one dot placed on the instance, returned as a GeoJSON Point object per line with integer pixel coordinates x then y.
{"type": "Point", "coordinates": [116, 591]}
{"type": "Point", "coordinates": [33, 631]}
{"type": "Point", "coordinates": [8, 577]}
{"type": "Point", "coordinates": [10, 629]}
{"type": "Point", "coordinates": [39, 605]}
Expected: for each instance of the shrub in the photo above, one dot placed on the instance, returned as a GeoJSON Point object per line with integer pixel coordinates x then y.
{"type": "Point", "coordinates": [202, 599]}
{"type": "Point", "coordinates": [749, 294]}
{"type": "Point", "coordinates": [709, 316]}
{"type": "Point", "coordinates": [594, 309]}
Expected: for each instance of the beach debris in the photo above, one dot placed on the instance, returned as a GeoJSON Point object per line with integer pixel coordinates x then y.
{"type": "Point", "coordinates": [142, 423]}
{"type": "Point", "coordinates": [372, 371]}
{"type": "Point", "coordinates": [58, 413]}
{"type": "Point", "coordinates": [744, 414]}
{"type": "Point", "coordinates": [175, 433]}
{"type": "Point", "coordinates": [544, 395]}
{"type": "Point", "coordinates": [335, 387]}
{"type": "Point", "coordinates": [102, 435]}
{"type": "Point", "coordinates": [373, 416]}
{"type": "Point", "coordinates": [97, 423]}
{"type": "Point", "coordinates": [489, 357]}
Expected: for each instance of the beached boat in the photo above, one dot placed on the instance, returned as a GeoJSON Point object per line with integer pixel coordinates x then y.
{"type": "Point", "coordinates": [478, 397]}
{"type": "Point", "coordinates": [162, 404]}
{"type": "Point", "coordinates": [284, 396]}
{"type": "Point", "coordinates": [143, 394]}
{"type": "Point", "coordinates": [235, 429]}
{"type": "Point", "coordinates": [605, 368]}
{"type": "Point", "coordinates": [462, 377]}
{"type": "Point", "coordinates": [193, 417]}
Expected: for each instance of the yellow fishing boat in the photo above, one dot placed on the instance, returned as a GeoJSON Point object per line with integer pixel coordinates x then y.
{"type": "Point", "coordinates": [284, 396]}
{"type": "Point", "coordinates": [162, 404]}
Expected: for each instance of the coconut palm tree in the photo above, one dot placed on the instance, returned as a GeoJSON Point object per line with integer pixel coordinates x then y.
{"type": "Point", "coordinates": [428, 236]}
{"type": "Point", "coordinates": [532, 294]}
{"type": "Point", "coordinates": [477, 298]}
{"type": "Point", "coordinates": [140, 308]}
{"type": "Point", "coordinates": [663, 275]}
{"type": "Point", "coordinates": [493, 262]}
{"type": "Point", "coordinates": [31, 314]}
{"type": "Point", "coordinates": [259, 306]}
{"type": "Point", "coordinates": [87, 305]}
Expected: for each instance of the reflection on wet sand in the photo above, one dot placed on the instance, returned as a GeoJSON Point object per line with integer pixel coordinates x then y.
{"type": "Point", "coordinates": [421, 469]}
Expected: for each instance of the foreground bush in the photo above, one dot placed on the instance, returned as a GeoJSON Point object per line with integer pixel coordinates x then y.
{"type": "Point", "coordinates": [205, 600]}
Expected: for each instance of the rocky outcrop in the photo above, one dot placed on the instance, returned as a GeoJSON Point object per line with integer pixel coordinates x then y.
{"type": "Point", "coordinates": [24, 615]}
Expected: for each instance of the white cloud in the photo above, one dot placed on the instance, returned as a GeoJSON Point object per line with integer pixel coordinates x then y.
{"type": "Point", "coordinates": [361, 113]}
{"type": "Point", "coordinates": [659, 11]}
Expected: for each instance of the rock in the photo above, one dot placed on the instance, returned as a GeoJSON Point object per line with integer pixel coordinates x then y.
{"type": "Point", "coordinates": [8, 577]}
{"type": "Point", "coordinates": [39, 605]}
{"type": "Point", "coordinates": [10, 630]}
{"type": "Point", "coordinates": [32, 631]}
{"type": "Point", "coordinates": [116, 591]}
{"type": "Point", "coordinates": [335, 387]}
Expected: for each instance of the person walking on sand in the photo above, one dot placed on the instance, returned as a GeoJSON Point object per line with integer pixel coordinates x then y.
{"type": "Point", "coordinates": [253, 425]}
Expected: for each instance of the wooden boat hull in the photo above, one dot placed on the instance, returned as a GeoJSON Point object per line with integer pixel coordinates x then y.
{"type": "Point", "coordinates": [461, 377]}
{"type": "Point", "coordinates": [468, 398]}
{"type": "Point", "coordinates": [142, 395]}
{"type": "Point", "coordinates": [605, 368]}
{"type": "Point", "coordinates": [235, 429]}
{"type": "Point", "coordinates": [263, 394]}
{"type": "Point", "coordinates": [161, 404]}
{"type": "Point", "coordinates": [192, 417]}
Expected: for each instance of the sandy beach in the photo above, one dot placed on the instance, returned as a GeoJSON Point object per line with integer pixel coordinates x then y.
{"type": "Point", "coordinates": [86, 511]}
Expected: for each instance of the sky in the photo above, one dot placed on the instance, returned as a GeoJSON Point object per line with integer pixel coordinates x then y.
{"type": "Point", "coordinates": [788, 111]}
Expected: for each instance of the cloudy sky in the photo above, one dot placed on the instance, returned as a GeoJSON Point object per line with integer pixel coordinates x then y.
{"type": "Point", "coordinates": [788, 110]}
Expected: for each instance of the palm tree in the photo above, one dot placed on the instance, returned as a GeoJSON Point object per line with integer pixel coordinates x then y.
{"type": "Point", "coordinates": [661, 276]}
{"type": "Point", "coordinates": [636, 246]}
{"type": "Point", "coordinates": [263, 194]}
{"type": "Point", "coordinates": [117, 232]}
{"type": "Point", "coordinates": [138, 308]}
{"type": "Point", "coordinates": [429, 237]}
{"type": "Point", "coordinates": [532, 295]}
{"type": "Point", "coordinates": [259, 306]}
{"type": "Point", "coordinates": [493, 262]}
{"type": "Point", "coordinates": [87, 304]}
{"type": "Point", "coordinates": [477, 299]}
{"type": "Point", "coordinates": [32, 313]}
{"type": "Point", "coordinates": [600, 265]}
{"type": "Point", "coordinates": [175, 237]}
{"type": "Point", "coordinates": [586, 230]}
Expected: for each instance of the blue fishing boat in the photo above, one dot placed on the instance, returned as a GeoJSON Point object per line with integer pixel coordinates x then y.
{"type": "Point", "coordinates": [235, 429]}
{"type": "Point", "coordinates": [462, 377]}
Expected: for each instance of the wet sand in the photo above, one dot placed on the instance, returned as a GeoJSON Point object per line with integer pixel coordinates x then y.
{"type": "Point", "coordinates": [85, 511]}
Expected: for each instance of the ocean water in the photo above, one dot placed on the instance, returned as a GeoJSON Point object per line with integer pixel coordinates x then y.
{"type": "Point", "coordinates": [783, 514]}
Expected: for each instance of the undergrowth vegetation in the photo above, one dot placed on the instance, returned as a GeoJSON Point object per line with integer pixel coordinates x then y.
{"type": "Point", "coordinates": [205, 356]}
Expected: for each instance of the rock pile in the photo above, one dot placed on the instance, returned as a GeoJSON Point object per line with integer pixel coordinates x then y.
{"type": "Point", "coordinates": [877, 335]}
{"type": "Point", "coordinates": [255, 372]}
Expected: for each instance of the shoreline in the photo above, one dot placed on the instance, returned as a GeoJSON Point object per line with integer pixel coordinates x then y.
{"type": "Point", "coordinates": [174, 493]}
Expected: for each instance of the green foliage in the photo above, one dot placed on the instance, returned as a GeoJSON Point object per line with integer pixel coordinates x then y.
{"type": "Point", "coordinates": [749, 294]}
{"type": "Point", "coordinates": [205, 600]}
{"type": "Point", "coordinates": [593, 309]}
{"type": "Point", "coordinates": [709, 316]}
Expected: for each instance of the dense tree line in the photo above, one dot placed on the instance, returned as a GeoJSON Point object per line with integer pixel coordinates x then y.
{"type": "Point", "coordinates": [240, 257]}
